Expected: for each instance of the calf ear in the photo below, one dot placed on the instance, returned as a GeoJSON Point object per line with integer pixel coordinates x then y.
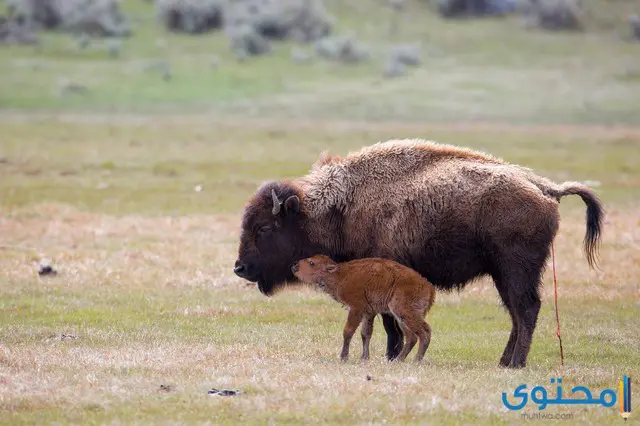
{"type": "Point", "coordinates": [292, 205]}
{"type": "Point", "coordinates": [331, 268]}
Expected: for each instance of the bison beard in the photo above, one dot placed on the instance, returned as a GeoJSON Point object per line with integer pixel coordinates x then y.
{"type": "Point", "coordinates": [453, 215]}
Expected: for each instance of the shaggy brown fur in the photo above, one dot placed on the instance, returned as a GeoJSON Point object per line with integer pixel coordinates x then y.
{"type": "Point", "coordinates": [451, 214]}
{"type": "Point", "coordinates": [373, 286]}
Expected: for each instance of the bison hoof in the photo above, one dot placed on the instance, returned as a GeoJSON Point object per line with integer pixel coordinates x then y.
{"type": "Point", "coordinates": [513, 365]}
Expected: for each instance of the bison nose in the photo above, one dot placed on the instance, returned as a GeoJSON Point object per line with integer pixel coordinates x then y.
{"type": "Point", "coordinates": [239, 269]}
{"type": "Point", "coordinates": [294, 268]}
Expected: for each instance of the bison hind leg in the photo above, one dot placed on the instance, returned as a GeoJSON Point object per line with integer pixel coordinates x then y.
{"type": "Point", "coordinates": [507, 354]}
{"type": "Point", "coordinates": [518, 282]}
{"type": "Point", "coordinates": [394, 336]}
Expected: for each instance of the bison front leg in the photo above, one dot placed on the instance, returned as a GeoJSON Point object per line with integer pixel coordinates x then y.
{"type": "Point", "coordinates": [353, 321]}
{"type": "Point", "coordinates": [394, 336]}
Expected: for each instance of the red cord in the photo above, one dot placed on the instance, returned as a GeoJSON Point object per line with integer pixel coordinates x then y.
{"type": "Point", "coordinates": [555, 291]}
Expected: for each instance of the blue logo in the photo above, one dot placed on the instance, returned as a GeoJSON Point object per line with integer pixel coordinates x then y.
{"type": "Point", "coordinates": [580, 395]}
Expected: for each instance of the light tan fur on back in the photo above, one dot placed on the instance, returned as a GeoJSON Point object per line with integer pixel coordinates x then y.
{"type": "Point", "coordinates": [334, 180]}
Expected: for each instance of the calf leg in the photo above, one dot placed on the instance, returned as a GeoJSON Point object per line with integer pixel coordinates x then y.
{"type": "Point", "coordinates": [394, 336]}
{"type": "Point", "coordinates": [407, 320]}
{"type": "Point", "coordinates": [411, 339]}
{"type": "Point", "coordinates": [366, 330]}
{"type": "Point", "coordinates": [353, 321]}
{"type": "Point", "coordinates": [424, 333]}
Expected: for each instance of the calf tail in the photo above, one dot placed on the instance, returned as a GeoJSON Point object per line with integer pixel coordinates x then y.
{"type": "Point", "coordinates": [595, 215]}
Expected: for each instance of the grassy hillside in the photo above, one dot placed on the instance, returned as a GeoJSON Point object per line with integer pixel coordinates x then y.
{"type": "Point", "coordinates": [485, 69]}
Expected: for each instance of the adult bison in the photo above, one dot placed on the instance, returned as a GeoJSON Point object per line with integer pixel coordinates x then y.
{"type": "Point", "coordinates": [451, 214]}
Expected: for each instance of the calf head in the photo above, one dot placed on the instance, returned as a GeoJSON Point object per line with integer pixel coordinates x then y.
{"type": "Point", "coordinates": [272, 237]}
{"type": "Point", "coordinates": [315, 269]}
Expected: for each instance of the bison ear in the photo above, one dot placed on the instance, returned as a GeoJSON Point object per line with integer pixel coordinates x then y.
{"type": "Point", "coordinates": [292, 205]}
{"type": "Point", "coordinates": [331, 268]}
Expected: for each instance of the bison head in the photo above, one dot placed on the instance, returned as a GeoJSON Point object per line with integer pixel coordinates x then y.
{"type": "Point", "coordinates": [272, 237]}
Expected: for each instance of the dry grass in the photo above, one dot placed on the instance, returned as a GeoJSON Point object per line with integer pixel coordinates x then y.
{"type": "Point", "coordinates": [152, 302]}
{"type": "Point", "coordinates": [151, 299]}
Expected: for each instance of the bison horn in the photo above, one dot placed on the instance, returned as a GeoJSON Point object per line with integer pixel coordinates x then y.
{"type": "Point", "coordinates": [276, 203]}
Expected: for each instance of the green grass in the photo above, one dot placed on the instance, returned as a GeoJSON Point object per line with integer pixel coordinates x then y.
{"type": "Point", "coordinates": [486, 69]}
{"type": "Point", "coordinates": [104, 185]}
{"type": "Point", "coordinates": [125, 168]}
{"type": "Point", "coordinates": [145, 281]}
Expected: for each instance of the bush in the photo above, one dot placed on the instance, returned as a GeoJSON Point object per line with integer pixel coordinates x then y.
{"type": "Point", "coordinates": [302, 20]}
{"type": "Point", "coordinates": [190, 16]}
{"type": "Point", "coordinates": [634, 21]}
{"type": "Point", "coordinates": [12, 32]}
{"type": "Point", "coordinates": [250, 25]}
{"type": "Point", "coordinates": [459, 8]}
{"type": "Point", "coordinates": [38, 13]}
{"type": "Point", "coordinates": [245, 41]}
{"type": "Point", "coordinates": [343, 49]}
{"type": "Point", "coordinates": [556, 14]}
{"type": "Point", "coordinates": [96, 17]}
{"type": "Point", "coordinates": [407, 54]}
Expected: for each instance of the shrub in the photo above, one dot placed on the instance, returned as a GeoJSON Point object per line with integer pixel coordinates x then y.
{"type": "Point", "coordinates": [343, 49]}
{"type": "Point", "coordinates": [556, 14]}
{"type": "Point", "coordinates": [12, 32]}
{"type": "Point", "coordinates": [407, 54]}
{"type": "Point", "coordinates": [245, 41]}
{"type": "Point", "coordinates": [96, 17]}
{"type": "Point", "coordinates": [634, 21]}
{"type": "Point", "coordinates": [190, 16]}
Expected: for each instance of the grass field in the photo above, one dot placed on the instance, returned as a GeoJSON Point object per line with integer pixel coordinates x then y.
{"type": "Point", "coordinates": [487, 69]}
{"type": "Point", "coordinates": [146, 315]}
{"type": "Point", "coordinates": [145, 284]}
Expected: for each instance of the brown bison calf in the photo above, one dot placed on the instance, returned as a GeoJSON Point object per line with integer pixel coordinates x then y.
{"type": "Point", "coordinates": [369, 287]}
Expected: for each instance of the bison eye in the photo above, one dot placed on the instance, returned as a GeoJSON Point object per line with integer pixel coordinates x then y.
{"type": "Point", "coordinates": [311, 262]}
{"type": "Point", "coordinates": [264, 229]}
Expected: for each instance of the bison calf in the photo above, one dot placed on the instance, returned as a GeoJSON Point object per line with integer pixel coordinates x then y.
{"type": "Point", "coordinates": [369, 287]}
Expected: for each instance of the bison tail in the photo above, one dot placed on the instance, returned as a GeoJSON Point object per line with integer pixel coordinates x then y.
{"type": "Point", "coordinates": [595, 215]}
